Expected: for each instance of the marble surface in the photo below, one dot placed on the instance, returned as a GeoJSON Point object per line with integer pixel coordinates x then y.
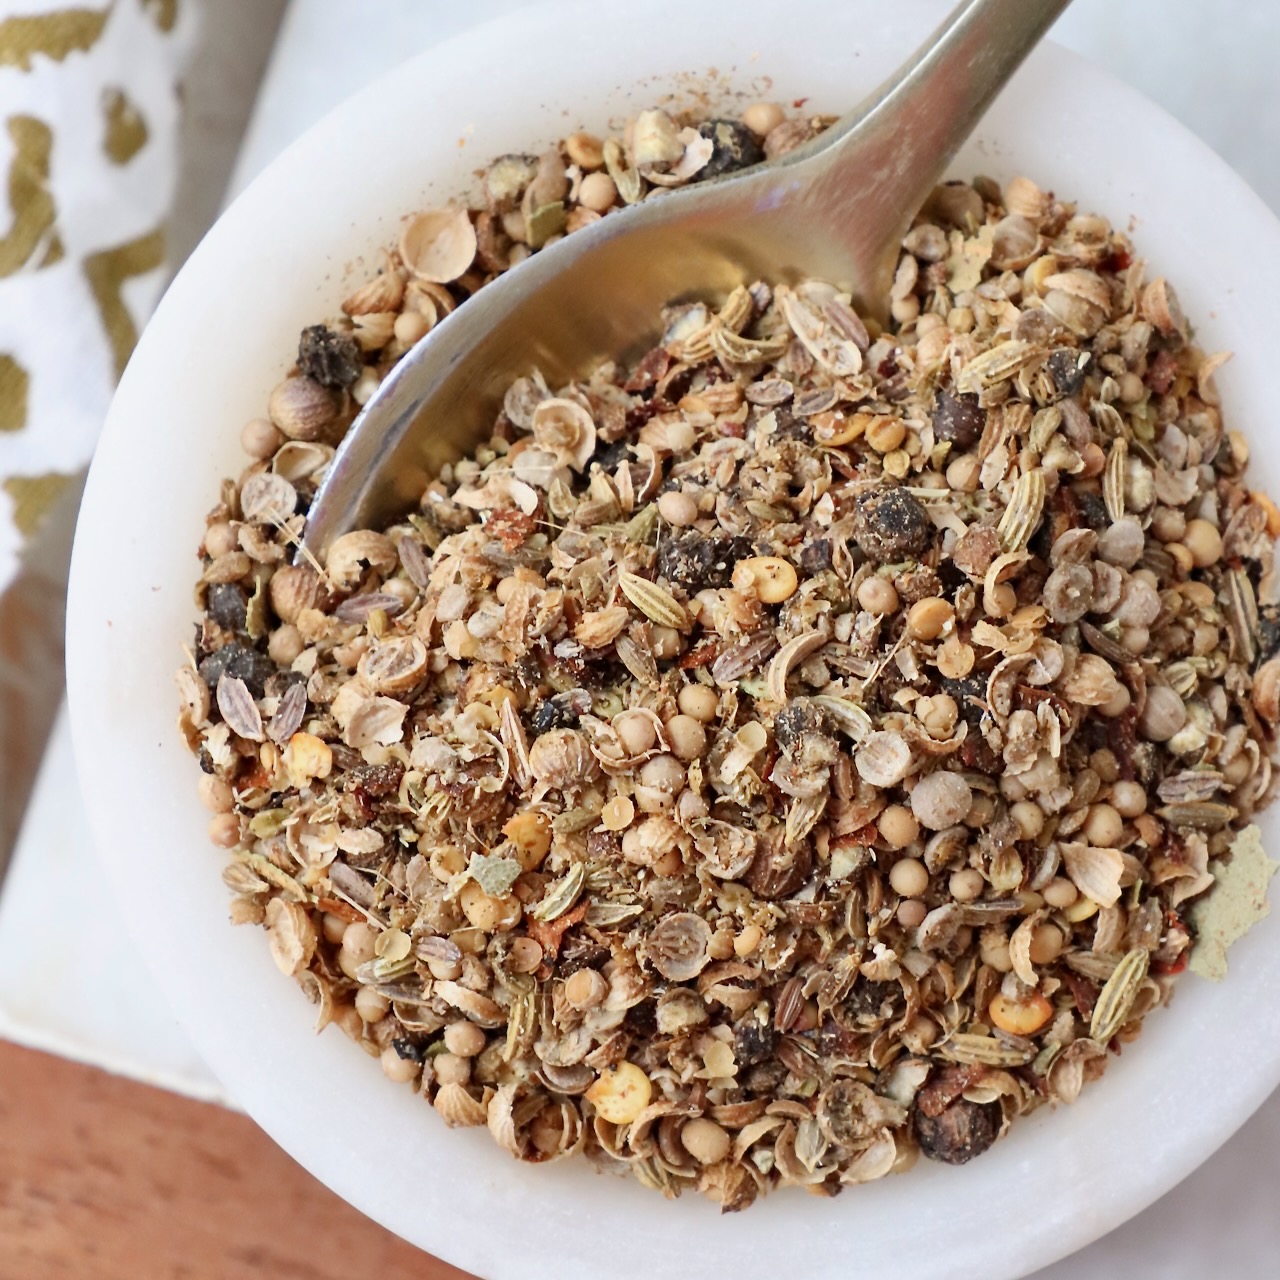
{"type": "Point", "coordinates": [1211, 66]}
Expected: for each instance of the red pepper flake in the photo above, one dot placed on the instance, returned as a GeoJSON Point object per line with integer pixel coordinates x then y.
{"type": "Point", "coordinates": [639, 414]}
{"type": "Point", "coordinates": [703, 654]}
{"type": "Point", "coordinates": [866, 836]}
{"type": "Point", "coordinates": [1122, 738]}
{"type": "Point", "coordinates": [1083, 992]}
{"type": "Point", "coordinates": [549, 934]}
{"type": "Point", "coordinates": [977, 753]}
{"type": "Point", "coordinates": [1039, 1083]}
{"type": "Point", "coordinates": [256, 777]}
{"type": "Point", "coordinates": [1162, 372]}
{"type": "Point", "coordinates": [653, 367]}
{"type": "Point", "coordinates": [336, 907]}
{"type": "Point", "coordinates": [511, 527]}
{"type": "Point", "coordinates": [1028, 697]}
{"type": "Point", "coordinates": [949, 1084]}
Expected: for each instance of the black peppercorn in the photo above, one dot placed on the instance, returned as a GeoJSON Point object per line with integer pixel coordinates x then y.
{"type": "Point", "coordinates": [959, 419]}
{"type": "Point", "coordinates": [332, 359]}
{"type": "Point", "coordinates": [891, 526]}
{"type": "Point", "coordinates": [734, 147]}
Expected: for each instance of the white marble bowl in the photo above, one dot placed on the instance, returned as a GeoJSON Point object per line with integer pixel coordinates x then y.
{"type": "Point", "coordinates": [222, 336]}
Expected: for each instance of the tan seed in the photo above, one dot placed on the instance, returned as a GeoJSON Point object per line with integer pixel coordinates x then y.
{"type": "Point", "coordinates": [884, 434]}
{"type": "Point", "coordinates": [1020, 1017]}
{"type": "Point", "coordinates": [585, 989]}
{"type": "Point", "coordinates": [618, 814]}
{"type": "Point", "coordinates": [597, 192]}
{"type": "Point", "coordinates": [705, 1141]}
{"type": "Point", "coordinates": [677, 508]}
{"type": "Point", "coordinates": [621, 1093]}
{"type": "Point", "coordinates": [763, 117]}
{"type": "Point", "coordinates": [878, 595]}
{"type": "Point", "coordinates": [772, 578]}
{"type": "Point", "coordinates": [930, 617]}
{"type": "Point", "coordinates": [585, 150]}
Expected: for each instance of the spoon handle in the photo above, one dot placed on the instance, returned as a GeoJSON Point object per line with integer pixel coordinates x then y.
{"type": "Point", "coordinates": [930, 105]}
{"type": "Point", "coordinates": [886, 155]}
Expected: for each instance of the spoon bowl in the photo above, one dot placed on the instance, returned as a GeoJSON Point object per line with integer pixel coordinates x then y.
{"type": "Point", "coordinates": [834, 209]}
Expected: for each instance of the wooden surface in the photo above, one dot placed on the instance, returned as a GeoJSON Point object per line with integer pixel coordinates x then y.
{"type": "Point", "coordinates": [104, 1179]}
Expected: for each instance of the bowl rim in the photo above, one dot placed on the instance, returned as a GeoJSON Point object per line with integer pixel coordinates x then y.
{"type": "Point", "coordinates": [90, 662]}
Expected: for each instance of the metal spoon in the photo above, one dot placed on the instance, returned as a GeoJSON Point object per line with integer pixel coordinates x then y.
{"type": "Point", "coordinates": [835, 209]}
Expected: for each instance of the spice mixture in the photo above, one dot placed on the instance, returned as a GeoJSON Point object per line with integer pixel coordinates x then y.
{"type": "Point", "coordinates": [786, 756]}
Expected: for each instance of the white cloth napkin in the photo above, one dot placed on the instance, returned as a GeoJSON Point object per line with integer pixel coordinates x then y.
{"type": "Point", "coordinates": [89, 106]}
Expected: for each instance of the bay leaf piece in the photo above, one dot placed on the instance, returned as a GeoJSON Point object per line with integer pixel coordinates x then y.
{"type": "Point", "coordinates": [1237, 901]}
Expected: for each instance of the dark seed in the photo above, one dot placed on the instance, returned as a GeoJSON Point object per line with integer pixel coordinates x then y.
{"type": "Point", "coordinates": [832, 1040]}
{"type": "Point", "coordinates": [579, 952]}
{"type": "Point", "coordinates": [345, 758]}
{"type": "Point", "coordinates": [550, 715]}
{"type": "Point", "coordinates": [696, 561]}
{"type": "Point", "coordinates": [228, 605]}
{"type": "Point", "coordinates": [890, 525]}
{"type": "Point", "coordinates": [765, 1077]}
{"type": "Point", "coordinates": [608, 456]}
{"type": "Point", "coordinates": [407, 1049]}
{"type": "Point", "coordinates": [1041, 543]}
{"type": "Point", "coordinates": [776, 871]}
{"type": "Point", "coordinates": [642, 1019]}
{"type": "Point", "coordinates": [959, 419]}
{"type": "Point", "coordinates": [1068, 368]}
{"type": "Point", "coordinates": [377, 780]}
{"type": "Point", "coordinates": [332, 359]}
{"type": "Point", "coordinates": [815, 556]}
{"type": "Point", "coordinates": [239, 662]}
{"type": "Point", "coordinates": [734, 146]}
{"type": "Point", "coordinates": [753, 1042]}
{"type": "Point", "coordinates": [561, 711]}
{"type": "Point", "coordinates": [603, 845]}
{"type": "Point", "coordinates": [977, 753]}
{"type": "Point", "coordinates": [796, 719]}
{"type": "Point", "coordinates": [1268, 633]}
{"type": "Point", "coordinates": [868, 999]}
{"type": "Point", "coordinates": [963, 1130]}
{"type": "Point", "coordinates": [278, 683]}
{"type": "Point", "coordinates": [970, 695]}
{"type": "Point", "coordinates": [527, 670]}
{"type": "Point", "coordinates": [1093, 510]}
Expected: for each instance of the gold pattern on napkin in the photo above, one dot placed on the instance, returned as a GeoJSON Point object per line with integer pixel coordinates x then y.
{"type": "Point", "coordinates": [163, 12]}
{"type": "Point", "coordinates": [14, 381]}
{"type": "Point", "coordinates": [126, 130]}
{"type": "Point", "coordinates": [55, 35]}
{"type": "Point", "coordinates": [107, 271]}
{"type": "Point", "coordinates": [32, 497]}
{"type": "Point", "coordinates": [29, 197]}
